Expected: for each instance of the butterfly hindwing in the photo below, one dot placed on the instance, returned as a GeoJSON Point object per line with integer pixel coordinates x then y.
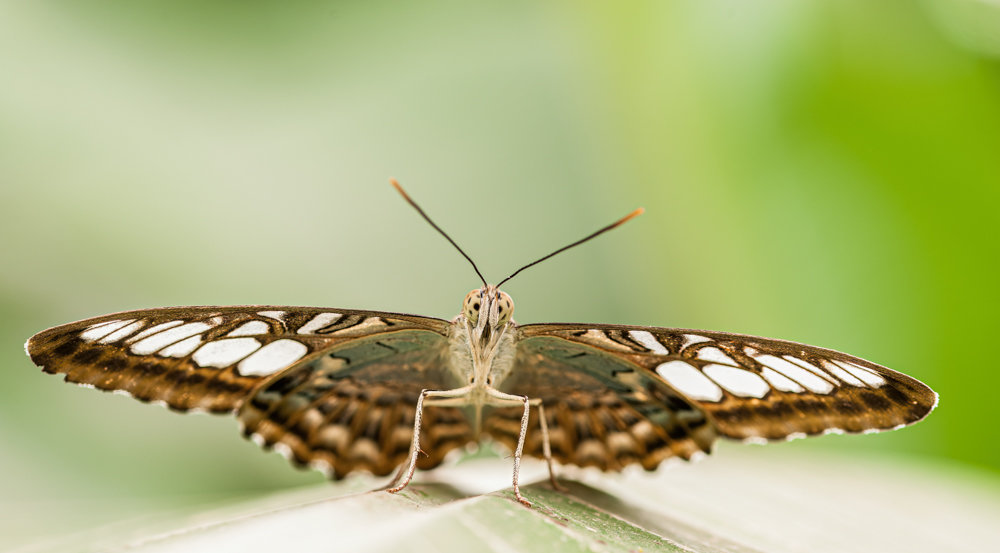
{"type": "Point", "coordinates": [352, 406]}
{"type": "Point", "coordinates": [207, 358]}
{"type": "Point", "coordinates": [601, 409]}
{"type": "Point", "coordinates": [757, 388]}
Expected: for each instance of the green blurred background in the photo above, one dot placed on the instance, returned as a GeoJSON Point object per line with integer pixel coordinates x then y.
{"type": "Point", "coordinates": [821, 171]}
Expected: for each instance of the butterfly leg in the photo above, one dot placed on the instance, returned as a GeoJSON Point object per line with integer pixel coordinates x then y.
{"type": "Point", "coordinates": [501, 399]}
{"type": "Point", "coordinates": [546, 448]}
{"type": "Point", "coordinates": [396, 477]}
{"type": "Point", "coordinates": [411, 466]}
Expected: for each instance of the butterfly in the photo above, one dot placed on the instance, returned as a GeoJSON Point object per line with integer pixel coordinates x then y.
{"type": "Point", "coordinates": [343, 390]}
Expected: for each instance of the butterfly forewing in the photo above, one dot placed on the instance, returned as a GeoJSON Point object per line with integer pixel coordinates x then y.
{"type": "Point", "coordinates": [757, 388]}
{"type": "Point", "coordinates": [207, 358]}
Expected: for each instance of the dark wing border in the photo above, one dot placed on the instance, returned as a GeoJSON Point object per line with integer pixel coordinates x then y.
{"type": "Point", "coordinates": [822, 390]}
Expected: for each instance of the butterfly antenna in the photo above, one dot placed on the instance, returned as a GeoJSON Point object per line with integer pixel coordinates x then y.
{"type": "Point", "coordinates": [617, 223]}
{"type": "Point", "coordinates": [409, 200]}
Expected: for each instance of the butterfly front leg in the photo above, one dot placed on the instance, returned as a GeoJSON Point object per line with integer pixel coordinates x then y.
{"type": "Point", "coordinates": [458, 396]}
{"type": "Point", "coordinates": [500, 399]}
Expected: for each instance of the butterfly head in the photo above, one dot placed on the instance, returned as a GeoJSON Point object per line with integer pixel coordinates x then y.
{"type": "Point", "coordinates": [487, 311]}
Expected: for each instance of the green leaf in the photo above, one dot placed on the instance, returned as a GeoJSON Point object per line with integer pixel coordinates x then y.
{"type": "Point", "coordinates": [748, 499]}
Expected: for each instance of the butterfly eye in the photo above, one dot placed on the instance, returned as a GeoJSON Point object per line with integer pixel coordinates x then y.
{"type": "Point", "coordinates": [506, 307]}
{"type": "Point", "coordinates": [472, 305]}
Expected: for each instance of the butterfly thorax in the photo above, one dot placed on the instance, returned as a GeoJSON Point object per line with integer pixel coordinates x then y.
{"type": "Point", "coordinates": [482, 338]}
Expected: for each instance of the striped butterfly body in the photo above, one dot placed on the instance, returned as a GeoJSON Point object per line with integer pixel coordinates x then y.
{"type": "Point", "coordinates": [343, 390]}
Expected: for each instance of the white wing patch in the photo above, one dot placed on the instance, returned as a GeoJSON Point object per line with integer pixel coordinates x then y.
{"type": "Point", "coordinates": [794, 372]}
{"type": "Point", "coordinates": [182, 348]}
{"type": "Point", "coordinates": [690, 339]}
{"type": "Point", "coordinates": [223, 353]}
{"type": "Point", "coordinates": [601, 337]}
{"type": "Point", "coordinates": [739, 382]}
{"type": "Point", "coordinates": [838, 371]}
{"type": "Point", "coordinates": [648, 341]}
{"type": "Point", "coordinates": [813, 368]}
{"type": "Point", "coordinates": [688, 380]}
{"type": "Point", "coordinates": [251, 328]}
{"type": "Point", "coordinates": [179, 339]}
{"type": "Point", "coordinates": [160, 340]}
{"type": "Point", "coordinates": [866, 375]}
{"type": "Point", "coordinates": [153, 330]}
{"type": "Point", "coordinates": [122, 332]}
{"type": "Point", "coordinates": [723, 373]}
{"type": "Point", "coordinates": [100, 330]}
{"type": "Point", "coordinates": [716, 355]}
{"type": "Point", "coordinates": [272, 358]}
{"type": "Point", "coordinates": [276, 315]}
{"type": "Point", "coordinates": [780, 381]}
{"type": "Point", "coordinates": [319, 321]}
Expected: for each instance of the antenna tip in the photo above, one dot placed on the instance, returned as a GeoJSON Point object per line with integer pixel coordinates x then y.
{"type": "Point", "coordinates": [395, 184]}
{"type": "Point", "coordinates": [632, 215]}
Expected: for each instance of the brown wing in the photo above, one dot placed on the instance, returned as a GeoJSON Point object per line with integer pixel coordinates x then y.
{"type": "Point", "coordinates": [757, 389]}
{"type": "Point", "coordinates": [352, 406]}
{"type": "Point", "coordinates": [207, 358]}
{"type": "Point", "coordinates": [602, 409]}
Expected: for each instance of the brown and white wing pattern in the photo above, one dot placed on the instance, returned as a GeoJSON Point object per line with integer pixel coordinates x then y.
{"type": "Point", "coordinates": [334, 389]}
{"type": "Point", "coordinates": [758, 389]}
{"type": "Point", "coordinates": [206, 358]}
{"type": "Point", "coordinates": [602, 409]}
{"type": "Point", "coordinates": [351, 407]}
